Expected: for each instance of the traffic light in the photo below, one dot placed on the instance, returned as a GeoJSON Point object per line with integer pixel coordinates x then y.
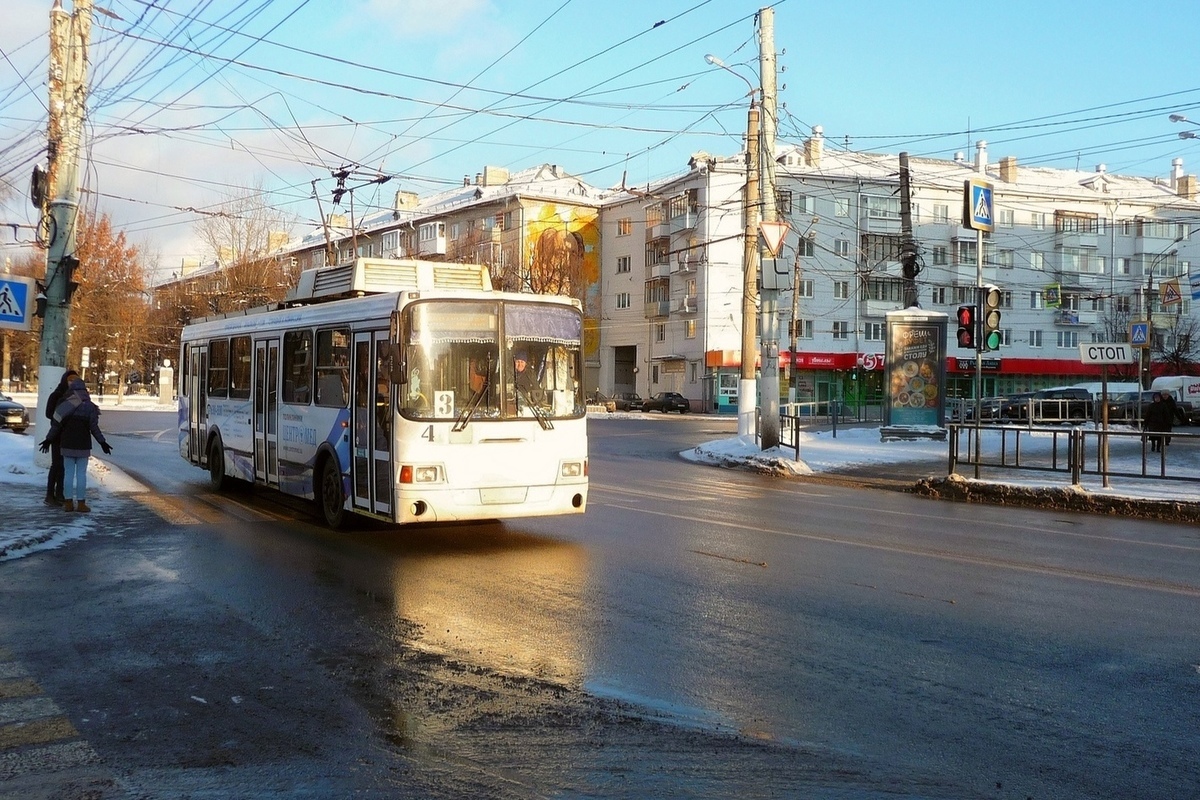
{"type": "Point", "coordinates": [968, 327]}
{"type": "Point", "coordinates": [989, 307]}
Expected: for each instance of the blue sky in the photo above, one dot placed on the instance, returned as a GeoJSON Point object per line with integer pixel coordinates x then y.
{"type": "Point", "coordinates": [194, 100]}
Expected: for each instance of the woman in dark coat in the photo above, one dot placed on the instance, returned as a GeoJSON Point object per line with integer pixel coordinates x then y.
{"type": "Point", "coordinates": [54, 481]}
{"type": "Point", "coordinates": [1158, 422]}
{"type": "Point", "coordinates": [76, 423]}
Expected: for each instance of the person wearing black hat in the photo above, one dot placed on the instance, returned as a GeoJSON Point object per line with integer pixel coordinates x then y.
{"type": "Point", "coordinates": [54, 481]}
{"type": "Point", "coordinates": [525, 378]}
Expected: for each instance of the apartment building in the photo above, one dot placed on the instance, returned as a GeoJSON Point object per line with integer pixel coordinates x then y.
{"type": "Point", "coordinates": [1078, 255]}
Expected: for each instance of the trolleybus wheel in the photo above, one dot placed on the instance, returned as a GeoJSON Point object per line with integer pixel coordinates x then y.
{"type": "Point", "coordinates": [216, 465]}
{"type": "Point", "coordinates": [330, 498]}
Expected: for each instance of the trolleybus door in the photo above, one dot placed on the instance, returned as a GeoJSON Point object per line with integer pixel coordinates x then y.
{"type": "Point", "coordinates": [266, 411]}
{"type": "Point", "coordinates": [196, 388]}
{"type": "Point", "coordinates": [371, 465]}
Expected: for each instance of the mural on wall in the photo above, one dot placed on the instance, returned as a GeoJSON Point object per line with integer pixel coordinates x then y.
{"type": "Point", "coordinates": [563, 253]}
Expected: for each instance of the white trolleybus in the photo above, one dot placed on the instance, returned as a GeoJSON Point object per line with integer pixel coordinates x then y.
{"type": "Point", "coordinates": [406, 391]}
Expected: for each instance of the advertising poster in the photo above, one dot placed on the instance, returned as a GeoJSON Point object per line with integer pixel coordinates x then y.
{"type": "Point", "coordinates": [916, 369]}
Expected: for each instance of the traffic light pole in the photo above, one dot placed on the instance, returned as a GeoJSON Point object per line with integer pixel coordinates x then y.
{"type": "Point", "coordinates": [978, 344]}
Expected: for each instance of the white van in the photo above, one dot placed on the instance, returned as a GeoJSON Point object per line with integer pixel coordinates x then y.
{"type": "Point", "coordinates": [1186, 390]}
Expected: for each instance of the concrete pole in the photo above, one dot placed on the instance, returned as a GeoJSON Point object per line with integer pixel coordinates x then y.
{"type": "Point", "coordinates": [748, 385]}
{"type": "Point", "coordinates": [769, 302]}
{"type": "Point", "coordinates": [69, 48]}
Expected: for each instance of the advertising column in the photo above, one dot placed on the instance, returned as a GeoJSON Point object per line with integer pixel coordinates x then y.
{"type": "Point", "coordinates": [915, 369]}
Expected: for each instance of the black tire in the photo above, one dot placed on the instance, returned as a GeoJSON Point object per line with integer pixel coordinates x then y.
{"type": "Point", "coordinates": [216, 465]}
{"type": "Point", "coordinates": [331, 500]}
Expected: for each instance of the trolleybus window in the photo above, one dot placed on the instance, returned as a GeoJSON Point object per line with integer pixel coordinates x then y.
{"type": "Point", "coordinates": [333, 367]}
{"type": "Point", "coordinates": [218, 368]}
{"type": "Point", "coordinates": [297, 367]}
{"type": "Point", "coordinates": [239, 367]}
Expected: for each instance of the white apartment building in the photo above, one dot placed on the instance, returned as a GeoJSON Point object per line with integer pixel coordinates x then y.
{"type": "Point", "coordinates": [1101, 245]}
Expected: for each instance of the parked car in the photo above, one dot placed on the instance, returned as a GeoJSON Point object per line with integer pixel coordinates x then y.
{"type": "Point", "coordinates": [628, 401]}
{"type": "Point", "coordinates": [667, 402]}
{"type": "Point", "coordinates": [13, 415]}
{"type": "Point", "coordinates": [1066, 404]}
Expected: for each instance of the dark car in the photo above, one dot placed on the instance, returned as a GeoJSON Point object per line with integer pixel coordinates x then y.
{"type": "Point", "coordinates": [12, 414]}
{"type": "Point", "coordinates": [1066, 404]}
{"type": "Point", "coordinates": [628, 401]}
{"type": "Point", "coordinates": [667, 402]}
{"type": "Point", "coordinates": [1131, 407]}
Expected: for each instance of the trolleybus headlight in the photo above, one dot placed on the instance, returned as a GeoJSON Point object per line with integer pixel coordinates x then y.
{"type": "Point", "coordinates": [573, 469]}
{"type": "Point", "coordinates": [421, 473]}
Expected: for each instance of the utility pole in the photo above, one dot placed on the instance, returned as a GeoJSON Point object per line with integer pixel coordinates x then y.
{"type": "Point", "coordinates": [69, 37]}
{"type": "Point", "coordinates": [747, 385]}
{"type": "Point", "coordinates": [769, 301]}
{"type": "Point", "coordinates": [794, 333]}
{"type": "Point", "coordinates": [908, 245]}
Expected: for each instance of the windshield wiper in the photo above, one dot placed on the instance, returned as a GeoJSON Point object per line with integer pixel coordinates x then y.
{"type": "Point", "coordinates": [464, 418]}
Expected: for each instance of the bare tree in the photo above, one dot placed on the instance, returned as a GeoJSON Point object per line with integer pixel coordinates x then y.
{"type": "Point", "coordinates": [243, 227]}
{"type": "Point", "coordinates": [1175, 347]}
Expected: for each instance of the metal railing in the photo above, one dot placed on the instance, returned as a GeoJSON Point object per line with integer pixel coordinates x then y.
{"type": "Point", "coordinates": [1076, 451]}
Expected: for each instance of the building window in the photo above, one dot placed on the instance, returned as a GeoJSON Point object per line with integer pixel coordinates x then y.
{"type": "Point", "coordinates": [1123, 266]}
{"type": "Point", "coordinates": [1075, 222]}
{"type": "Point", "coordinates": [690, 287]}
{"type": "Point", "coordinates": [880, 247]}
{"type": "Point", "coordinates": [841, 248]}
{"type": "Point", "coordinates": [1037, 260]}
{"type": "Point", "coordinates": [805, 247]}
{"type": "Point", "coordinates": [623, 263]}
{"type": "Point", "coordinates": [965, 295]}
{"type": "Point", "coordinates": [1035, 338]}
{"type": "Point", "coordinates": [624, 226]}
{"type": "Point", "coordinates": [1036, 300]}
{"type": "Point", "coordinates": [938, 295]}
{"type": "Point", "coordinates": [804, 287]}
{"type": "Point", "coordinates": [1123, 304]}
{"type": "Point", "coordinates": [1068, 340]}
{"type": "Point", "coordinates": [1005, 218]}
{"type": "Point", "coordinates": [939, 255]}
{"type": "Point", "coordinates": [965, 252]}
{"type": "Point", "coordinates": [941, 212]}
{"type": "Point", "coordinates": [841, 290]}
{"type": "Point", "coordinates": [1005, 259]}
{"type": "Point", "coordinates": [841, 206]}
{"type": "Point", "coordinates": [660, 332]}
{"type": "Point", "coordinates": [689, 329]}
{"type": "Point", "coordinates": [882, 207]}
{"type": "Point", "coordinates": [1006, 337]}
{"type": "Point", "coordinates": [783, 202]}
{"type": "Point", "coordinates": [1037, 220]}
{"type": "Point", "coordinates": [623, 300]}
{"type": "Point", "coordinates": [885, 290]}
{"type": "Point", "coordinates": [800, 329]}
{"type": "Point", "coordinates": [841, 330]}
{"type": "Point", "coordinates": [873, 331]}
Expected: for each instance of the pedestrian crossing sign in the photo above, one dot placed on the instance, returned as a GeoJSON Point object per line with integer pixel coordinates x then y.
{"type": "Point", "coordinates": [978, 206]}
{"type": "Point", "coordinates": [1139, 334]}
{"type": "Point", "coordinates": [16, 302]}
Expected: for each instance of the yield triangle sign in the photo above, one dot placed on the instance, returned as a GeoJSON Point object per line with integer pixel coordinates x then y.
{"type": "Point", "coordinates": [1169, 293]}
{"type": "Point", "coordinates": [773, 234]}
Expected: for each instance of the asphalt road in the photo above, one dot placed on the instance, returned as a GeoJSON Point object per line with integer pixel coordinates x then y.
{"type": "Point", "coordinates": [699, 633]}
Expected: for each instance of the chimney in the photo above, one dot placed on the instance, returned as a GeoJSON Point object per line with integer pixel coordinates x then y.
{"type": "Point", "coordinates": [960, 157]}
{"type": "Point", "coordinates": [981, 156]}
{"type": "Point", "coordinates": [1008, 169]}
{"type": "Point", "coordinates": [405, 200]}
{"type": "Point", "coordinates": [1101, 168]}
{"type": "Point", "coordinates": [1176, 171]}
{"type": "Point", "coordinates": [814, 147]}
{"type": "Point", "coordinates": [495, 176]}
{"type": "Point", "coordinates": [479, 179]}
{"type": "Point", "coordinates": [1185, 187]}
{"type": "Point", "coordinates": [466, 180]}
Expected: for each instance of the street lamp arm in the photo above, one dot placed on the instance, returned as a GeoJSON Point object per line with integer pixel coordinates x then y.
{"type": "Point", "coordinates": [716, 62]}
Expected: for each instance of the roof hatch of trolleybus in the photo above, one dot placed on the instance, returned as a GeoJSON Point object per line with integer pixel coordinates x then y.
{"type": "Point", "coordinates": [378, 275]}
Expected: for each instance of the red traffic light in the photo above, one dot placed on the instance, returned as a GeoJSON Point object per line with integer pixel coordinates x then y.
{"type": "Point", "coordinates": [968, 327]}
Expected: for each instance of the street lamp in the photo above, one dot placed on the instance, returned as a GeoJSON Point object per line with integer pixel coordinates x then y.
{"type": "Point", "coordinates": [1185, 134]}
{"type": "Point", "coordinates": [752, 201]}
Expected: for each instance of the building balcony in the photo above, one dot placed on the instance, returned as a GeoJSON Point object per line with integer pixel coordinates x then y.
{"type": "Point", "coordinates": [1068, 318]}
{"type": "Point", "coordinates": [879, 308]}
{"type": "Point", "coordinates": [662, 270]}
{"type": "Point", "coordinates": [683, 222]}
{"type": "Point", "coordinates": [687, 305]}
{"type": "Point", "coordinates": [1076, 239]}
{"type": "Point", "coordinates": [658, 308]}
